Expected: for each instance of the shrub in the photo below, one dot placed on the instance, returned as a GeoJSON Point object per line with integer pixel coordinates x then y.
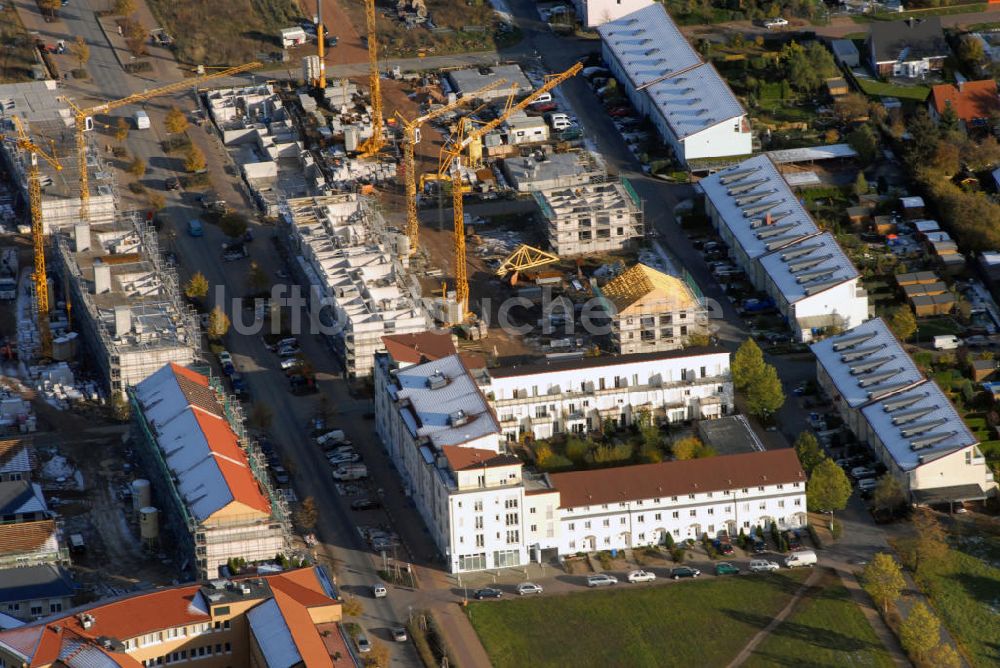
{"type": "Point", "coordinates": [80, 73]}
{"type": "Point", "coordinates": [678, 554]}
{"type": "Point", "coordinates": [137, 187]}
{"type": "Point", "coordinates": [836, 529]}
{"type": "Point", "coordinates": [815, 536]}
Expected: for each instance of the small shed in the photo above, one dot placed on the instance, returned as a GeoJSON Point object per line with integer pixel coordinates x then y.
{"type": "Point", "coordinates": [846, 53]}
{"type": "Point", "coordinates": [837, 87]}
{"type": "Point", "coordinates": [292, 37]}
{"type": "Point", "coordinates": [952, 264]}
{"type": "Point", "coordinates": [913, 207]}
{"type": "Point", "coordinates": [883, 225]}
{"type": "Point", "coordinates": [925, 227]}
{"type": "Point", "coordinates": [859, 215]}
{"type": "Point", "coordinates": [925, 306]}
{"type": "Point", "coordinates": [916, 278]}
{"type": "Point", "coordinates": [983, 370]}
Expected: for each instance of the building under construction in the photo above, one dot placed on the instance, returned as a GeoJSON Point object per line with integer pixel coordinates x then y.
{"type": "Point", "coordinates": [651, 311]}
{"type": "Point", "coordinates": [591, 218]}
{"type": "Point", "coordinates": [357, 269]}
{"type": "Point", "coordinates": [50, 122]}
{"type": "Point", "coordinates": [125, 301]}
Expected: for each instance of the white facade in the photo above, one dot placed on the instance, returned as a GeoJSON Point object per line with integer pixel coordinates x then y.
{"type": "Point", "coordinates": [554, 397]}
{"type": "Point", "coordinates": [484, 511]}
{"type": "Point", "coordinates": [666, 80]}
{"type": "Point", "coordinates": [590, 218]}
{"type": "Point", "coordinates": [524, 129]}
{"type": "Point", "coordinates": [593, 13]}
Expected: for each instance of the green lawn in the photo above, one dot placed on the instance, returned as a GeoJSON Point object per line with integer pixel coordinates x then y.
{"type": "Point", "coordinates": [693, 623]}
{"type": "Point", "coordinates": [882, 89]}
{"type": "Point", "coordinates": [966, 594]}
{"type": "Point", "coordinates": [828, 628]}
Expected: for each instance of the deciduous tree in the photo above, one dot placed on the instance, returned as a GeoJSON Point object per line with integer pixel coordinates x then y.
{"type": "Point", "coordinates": [81, 50]}
{"type": "Point", "coordinates": [747, 364]}
{"type": "Point", "coordinates": [920, 632]}
{"type": "Point", "coordinates": [764, 394]}
{"type": "Point", "coordinates": [851, 107]}
{"type": "Point", "coordinates": [136, 37]}
{"type": "Point", "coordinates": [218, 324]}
{"type": "Point", "coordinates": [828, 488]}
{"type": "Point", "coordinates": [197, 286]}
{"type": "Point", "coordinates": [306, 514]}
{"type": "Point", "coordinates": [137, 167]}
{"type": "Point", "coordinates": [865, 142]}
{"type": "Point", "coordinates": [690, 448]}
{"type": "Point", "coordinates": [121, 130]}
{"type": "Point", "coordinates": [860, 185]}
{"type": "Point", "coordinates": [809, 452]}
{"type": "Point", "coordinates": [902, 323]}
{"type": "Point", "coordinates": [195, 160]}
{"type": "Point", "coordinates": [124, 7]}
{"type": "Point", "coordinates": [883, 580]}
{"type": "Point", "coordinates": [176, 121]}
{"type": "Point", "coordinates": [930, 549]}
{"type": "Point", "coordinates": [233, 224]}
{"type": "Point", "coordinates": [888, 494]}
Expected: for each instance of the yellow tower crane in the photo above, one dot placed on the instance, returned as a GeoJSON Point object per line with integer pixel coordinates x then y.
{"type": "Point", "coordinates": [450, 164]}
{"type": "Point", "coordinates": [410, 130]}
{"type": "Point", "coordinates": [39, 278]}
{"type": "Point", "coordinates": [320, 46]}
{"type": "Point", "coordinates": [81, 116]}
{"type": "Point", "coordinates": [374, 143]}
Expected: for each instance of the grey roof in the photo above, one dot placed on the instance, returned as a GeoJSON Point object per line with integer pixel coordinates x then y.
{"type": "Point", "coordinates": [843, 48]}
{"type": "Point", "coordinates": [745, 194]}
{"type": "Point", "coordinates": [729, 435]}
{"type": "Point", "coordinates": [34, 582]}
{"type": "Point", "coordinates": [811, 153]}
{"type": "Point", "coordinates": [18, 497]}
{"type": "Point", "coordinates": [472, 79]}
{"type": "Point", "coordinates": [808, 267]}
{"type": "Point", "coordinates": [694, 100]}
{"type": "Point", "coordinates": [907, 40]}
{"type": "Point", "coordinates": [33, 101]}
{"type": "Point", "coordinates": [918, 426]}
{"type": "Point", "coordinates": [435, 408]}
{"type": "Point", "coordinates": [866, 363]}
{"type": "Point", "coordinates": [648, 44]}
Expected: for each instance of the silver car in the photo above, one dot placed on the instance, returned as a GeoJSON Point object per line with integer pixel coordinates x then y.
{"type": "Point", "coordinates": [528, 588]}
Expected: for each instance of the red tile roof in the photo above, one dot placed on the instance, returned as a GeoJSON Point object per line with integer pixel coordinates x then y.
{"type": "Point", "coordinates": [650, 481]}
{"type": "Point", "coordinates": [971, 100]}
{"type": "Point", "coordinates": [465, 459]}
{"type": "Point", "coordinates": [419, 347]}
{"type": "Point", "coordinates": [232, 461]}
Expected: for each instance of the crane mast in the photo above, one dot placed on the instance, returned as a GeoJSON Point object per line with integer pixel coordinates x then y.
{"type": "Point", "coordinates": [374, 143]}
{"type": "Point", "coordinates": [39, 277]}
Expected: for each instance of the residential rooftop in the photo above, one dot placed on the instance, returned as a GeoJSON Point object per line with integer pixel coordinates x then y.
{"type": "Point", "coordinates": [677, 478]}
{"type": "Point", "coordinates": [729, 435]}
{"type": "Point", "coordinates": [471, 79]}
{"type": "Point", "coordinates": [28, 583]}
{"type": "Point", "coordinates": [918, 426]}
{"type": "Point", "coordinates": [808, 267]}
{"type": "Point", "coordinates": [544, 365]}
{"type": "Point", "coordinates": [441, 401]}
{"type": "Point", "coordinates": [758, 207]}
{"type": "Point", "coordinates": [866, 363]}
{"type": "Point", "coordinates": [907, 40]}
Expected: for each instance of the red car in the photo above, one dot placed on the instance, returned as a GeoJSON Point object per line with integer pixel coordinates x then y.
{"type": "Point", "coordinates": [544, 107]}
{"type": "Point", "coordinates": [620, 112]}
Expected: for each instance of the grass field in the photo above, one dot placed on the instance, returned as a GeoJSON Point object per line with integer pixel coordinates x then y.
{"type": "Point", "coordinates": [882, 89]}
{"type": "Point", "coordinates": [966, 594]}
{"type": "Point", "coordinates": [225, 33]}
{"type": "Point", "coordinates": [693, 623]}
{"type": "Point", "coordinates": [827, 628]}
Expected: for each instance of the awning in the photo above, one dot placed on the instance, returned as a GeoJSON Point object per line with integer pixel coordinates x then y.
{"type": "Point", "coordinates": [953, 494]}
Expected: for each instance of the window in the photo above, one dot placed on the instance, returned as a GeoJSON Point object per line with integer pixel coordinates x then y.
{"type": "Point", "coordinates": [512, 519]}
{"type": "Point", "coordinates": [780, 486]}
{"type": "Point", "coordinates": [622, 521]}
{"type": "Point", "coordinates": [479, 521]}
{"type": "Point", "coordinates": [693, 513]}
{"type": "Point", "coordinates": [676, 514]}
{"type": "Point", "coordinates": [572, 526]}
{"type": "Point", "coordinates": [220, 610]}
{"type": "Point", "coordinates": [640, 518]}
{"type": "Point", "coordinates": [226, 626]}
{"type": "Point", "coordinates": [702, 372]}
{"type": "Point", "coordinates": [673, 498]}
{"type": "Point", "coordinates": [14, 607]}
{"type": "Point", "coordinates": [586, 525]}
{"type": "Point", "coordinates": [746, 525]}
{"type": "Point", "coordinates": [572, 545]}
{"type": "Point", "coordinates": [532, 511]}
{"type": "Point", "coordinates": [478, 506]}
{"type": "Point", "coordinates": [36, 610]}
{"type": "Point", "coordinates": [745, 490]}
{"type": "Point", "coordinates": [534, 528]}
{"type": "Point", "coordinates": [505, 558]}
{"type": "Point", "coordinates": [781, 504]}
{"type": "Point", "coordinates": [513, 536]}
{"type": "Point", "coordinates": [607, 541]}
{"type": "Point", "coordinates": [798, 502]}
{"type": "Point", "coordinates": [711, 511]}
{"type": "Point", "coordinates": [228, 647]}
{"type": "Point", "coordinates": [480, 540]}
{"type": "Point", "coordinates": [657, 516]}
{"type": "Point", "coordinates": [711, 528]}
{"type": "Point", "coordinates": [607, 523]}
{"type": "Point", "coordinates": [763, 506]}
{"type": "Point", "coordinates": [760, 489]}
{"type": "Point", "coordinates": [690, 496]}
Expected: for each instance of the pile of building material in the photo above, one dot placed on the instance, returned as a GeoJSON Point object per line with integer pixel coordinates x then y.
{"type": "Point", "coordinates": [346, 173]}
{"type": "Point", "coordinates": [15, 410]}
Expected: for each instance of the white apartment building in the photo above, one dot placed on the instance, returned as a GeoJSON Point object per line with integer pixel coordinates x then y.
{"type": "Point", "coordinates": [356, 269]}
{"type": "Point", "coordinates": [484, 510]}
{"type": "Point", "coordinates": [906, 418]}
{"type": "Point", "coordinates": [593, 13]}
{"type": "Point", "coordinates": [577, 395]}
{"type": "Point", "coordinates": [774, 240]}
{"type": "Point", "coordinates": [666, 80]}
{"type": "Point", "coordinates": [591, 218]}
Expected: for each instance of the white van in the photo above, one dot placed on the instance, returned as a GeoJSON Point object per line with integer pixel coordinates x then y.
{"type": "Point", "coordinates": [801, 558]}
{"type": "Point", "coordinates": [946, 342]}
{"type": "Point", "coordinates": [141, 120]}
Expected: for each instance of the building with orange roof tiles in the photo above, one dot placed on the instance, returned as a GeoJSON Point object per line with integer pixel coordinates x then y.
{"type": "Point", "coordinates": [269, 621]}
{"type": "Point", "coordinates": [213, 494]}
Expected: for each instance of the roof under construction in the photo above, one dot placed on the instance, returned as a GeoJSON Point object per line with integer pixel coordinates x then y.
{"type": "Point", "coordinates": [642, 289]}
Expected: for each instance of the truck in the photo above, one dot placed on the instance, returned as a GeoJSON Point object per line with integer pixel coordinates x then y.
{"type": "Point", "coordinates": [8, 274]}
{"type": "Point", "coordinates": [800, 558]}
{"type": "Point", "coordinates": [350, 472]}
{"type": "Point", "coordinates": [141, 120]}
{"type": "Point", "coordinates": [946, 342]}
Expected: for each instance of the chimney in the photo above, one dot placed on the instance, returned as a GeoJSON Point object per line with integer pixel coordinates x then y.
{"type": "Point", "coordinates": [102, 277]}
{"type": "Point", "coordinates": [123, 320]}
{"type": "Point", "coordinates": [81, 235]}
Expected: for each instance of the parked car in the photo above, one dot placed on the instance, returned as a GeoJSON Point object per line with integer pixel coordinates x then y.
{"type": "Point", "coordinates": [867, 484]}
{"type": "Point", "coordinates": [601, 580]}
{"type": "Point", "coordinates": [763, 566]}
{"type": "Point", "coordinates": [363, 645]}
{"type": "Point", "coordinates": [399, 634]}
{"type": "Point", "coordinates": [620, 112]}
{"type": "Point", "coordinates": [172, 183]}
{"type": "Point", "coordinates": [722, 548]}
{"type": "Point", "coordinates": [726, 568]}
{"type": "Point", "coordinates": [195, 228]}
{"type": "Point", "coordinates": [684, 572]}
{"type": "Point", "coordinates": [340, 458]}
{"type": "Point", "coordinates": [772, 24]}
{"type": "Point", "coordinates": [859, 472]}
{"type": "Point", "coordinates": [487, 592]}
{"type": "Point", "coordinates": [291, 363]}
{"type": "Point", "coordinates": [379, 591]}
{"type": "Point", "coordinates": [528, 588]}
{"type": "Point", "coordinates": [801, 558]}
{"type": "Point", "coordinates": [543, 107]}
{"type": "Point", "coordinates": [365, 504]}
{"type": "Point", "coordinates": [225, 358]}
{"type": "Point", "coordinates": [289, 351]}
{"type": "Point", "coordinates": [641, 576]}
